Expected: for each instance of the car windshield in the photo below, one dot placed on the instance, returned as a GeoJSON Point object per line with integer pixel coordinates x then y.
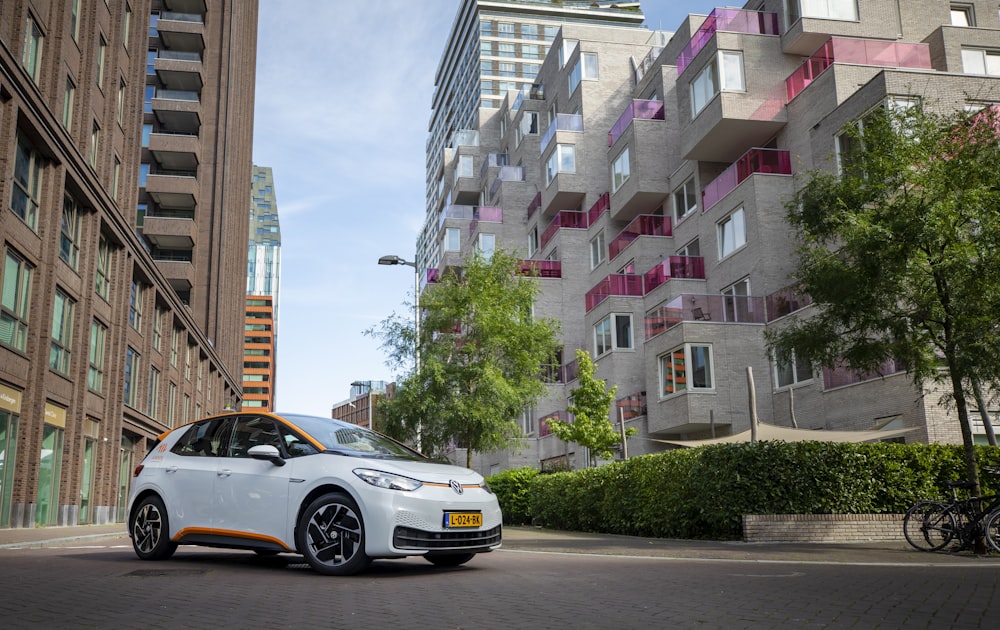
{"type": "Point", "coordinates": [350, 439]}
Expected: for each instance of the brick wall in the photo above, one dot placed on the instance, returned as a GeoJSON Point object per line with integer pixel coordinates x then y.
{"type": "Point", "coordinates": [822, 528]}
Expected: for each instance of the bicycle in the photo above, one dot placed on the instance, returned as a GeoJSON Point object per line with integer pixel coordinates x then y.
{"type": "Point", "coordinates": [932, 525]}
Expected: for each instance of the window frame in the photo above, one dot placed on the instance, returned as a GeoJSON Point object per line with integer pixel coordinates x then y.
{"type": "Point", "coordinates": [677, 361]}
{"type": "Point", "coordinates": [691, 205]}
{"type": "Point", "coordinates": [621, 170]}
{"type": "Point", "coordinates": [561, 160]}
{"type": "Point", "coordinates": [788, 373]}
{"type": "Point", "coordinates": [15, 302]}
{"type": "Point", "coordinates": [61, 338]}
{"type": "Point", "coordinates": [136, 291]}
{"type": "Point", "coordinates": [721, 230]}
{"type": "Point", "coordinates": [95, 356]}
{"type": "Point", "coordinates": [69, 232]}
{"type": "Point", "coordinates": [715, 78]}
{"type": "Point", "coordinates": [33, 47]}
{"type": "Point", "coordinates": [452, 239]}
{"type": "Point", "coordinates": [27, 184]}
{"type": "Point", "coordinates": [598, 250]}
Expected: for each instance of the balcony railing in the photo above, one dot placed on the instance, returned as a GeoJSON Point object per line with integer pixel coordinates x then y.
{"type": "Point", "coordinates": [645, 110]}
{"type": "Point", "coordinates": [179, 55]}
{"type": "Point", "coordinates": [563, 122]}
{"type": "Point", "coordinates": [868, 52]}
{"type": "Point", "coordinates": [535, 204]}
{"type": "Point", "coordinates": [842, 375]}
{"type": "Point", "coordinates": [177, 95]}
{"type": "Point", "coordinates": [632, 406]}
{"type": "Point", "coordinates": [477, 213]}
{"type": "Point", "coordinates": [647, 62]}
{"type": "Point", "coordinates": [543, 424]}
{"type": "Point", "coordinates": [182, 17]}
{"type": "Point", "coordinates": [465, 138]}
{"type": "Point", "coordinates": [690, 307]}
{"type": "Point", "coordinates": [602, 205]}
{"type": "Point", "coordinates": [506, 174]}
{"type": "Point", "coordinates": [674, 267]}
{"type": "Point", "coordinates": [433, 276]}
{"type": "Point", "coordinates": [492, 161]}
{"type": "Point", "coordinates": [773, 161]}
{"type": "Point", "coordinates": [614, 284]}
{"type": "Point", "coordinates": [542, 268]}
{"type": "Point", "coordinates": [574, 219]}
{"type": "Point", "coordinates": [734, 20]}
{"type": "Point", "coordinates": [642, 225]}
{"type": "Point", "coordinates": [785, 301]}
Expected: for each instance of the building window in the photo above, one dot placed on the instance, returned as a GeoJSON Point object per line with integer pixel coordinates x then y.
{"type": "Point", "coordinates": [628, 269]}
{"type": "Point", "coordinates": [591, 69]}
{"type": "Point", "coordinates": [486, 245]}
{"type": "Point", "coordinates": [822, 9]}
{"type": "Point", "coordinates": [533, 241]}
{"type": "Point", "coordinates": [505, 29]}
{"type": "Point", "coordinates": [568, 46]}
{"type": "Point", "coordinates": [62, 332]}
{"type": "Point", "coordinates": [962, 15]}
{"type": "Point", "coordinates": [95, 369]}
{"type": "Point", "coordinates": [175, 341]}
{"type": "Point", "coordinates": [159, 313]}
{"type": "Point", "coordinates": [979, 61]}
{"type": "Point", "coordinates": [574, 76]}
{"type": "Point", "coordinates": [31, 57]}
{"type": "Point", "coordinates": [116, 175]}
{"type": "Point", "coordinates": [102, 281]}
{"type": "Point", "coordinates": [686, 367]}
{"type": "Point", "coordinates": [465, 166]}
{"type": "Point", "coordinates": [74, 21]}
{"type": "Point", "coordinates": [530, 51]}
{"type": "Point", "coordinates": [120, 102]}
{"type": "Point", "coordinates": [620, 170]}
{"type": "Point", "coordinates": [529, 31]}
{"type": "Point", "coordinates": [507, 69]}
{"type": "Point", "coordinates": [95, 144]}
{"type": "Point", "coordinates": [27, 183]}
{"type": "Point", "coordinates": [562, 160]}
{"type": "Point", "coordinates": [723, 73]}
{"type": "Point", "coordinates": [69, 95]}
{"type": "Point", "coordinates": [597, 250]}
{"type": "Point", "coordinates": [732, 233]}
{"type": "Point", "coordinates": [153, 396]}
{"type": "Point", "coordinates": [187, 362]}
{"type": "Point", "coordinates": [791, 371]}
{"type": "Point", "coordinates": [452, 240]}
{"type": "Point", "coordinates": [14, 301]}
{"type": "Point", "coordinates": [485, 49]}
{"type": "Point", "coordinates": [602, 336]}
{"type": "Point", "coordinates": [131, 376]}
{"type": "Point", "coordinates": [614, 332]}
{"type": "Point", "coordinates": [69, 232]}
{"type": "Point", "coordinates": [126, 25]}
{"type": "Point", "coordinates": [506, 50]}
{"type": "Point", "coordinates": [736, 301]}
{"type": "Point", "coordinates": [691, 249]}
{"type": "Point", "coordinates": [135, 305]}
{"type": "Point", "coordinates": [102, 51]}
{"type": "Point", "coordinates": [685, 200]}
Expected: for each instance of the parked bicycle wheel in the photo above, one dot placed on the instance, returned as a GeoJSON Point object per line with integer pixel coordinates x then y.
{"type": "Point", "coordinates": [929, 526]}
{"type": "Point", "coordinates": [992, 529]}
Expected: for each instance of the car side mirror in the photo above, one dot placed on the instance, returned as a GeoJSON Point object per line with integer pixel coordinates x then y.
{"type": "Point", "coordinates": [266, 452]}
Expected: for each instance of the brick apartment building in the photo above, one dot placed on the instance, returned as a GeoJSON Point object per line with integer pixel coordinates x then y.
{"type": "Point", "coordinates": [126, 128]}
{"type": "Point", "coordinates": [645, 175]}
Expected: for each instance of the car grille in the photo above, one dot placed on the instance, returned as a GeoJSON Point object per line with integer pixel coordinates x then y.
{"type": "Point", "coordinates": [410, 538]}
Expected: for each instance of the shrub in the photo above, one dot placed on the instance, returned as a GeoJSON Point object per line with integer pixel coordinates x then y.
{"type": "Point", "coordinates": [512, 490]}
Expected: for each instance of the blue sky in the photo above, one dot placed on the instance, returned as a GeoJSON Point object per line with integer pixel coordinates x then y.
{"type": "Point", "coordinates": [342, 106]}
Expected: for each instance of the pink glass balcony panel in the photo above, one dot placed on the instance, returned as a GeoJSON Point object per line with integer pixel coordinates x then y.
{"type": "Point", "coordinates": [633, 406]}
{"type": "Point", "coordinates": [570, 371]}
{"type": "Point", "coordinates": [601, 206]}
{"type": "Point", "coordinates": [433, 275]}
{"type": "Point", "coordinates": [735, 20]}
{"type": "Point", "coordinates": [491, 214]}
{"type": "Point", "coordinates": [842, 375]}
{"type": "Point", "coordinates": [785, 301]}
{"type": "Point", "coordinates": [858, 51]}
{"type": "Point", "coordinates": [542, 268]}
{"type": "Point", "coordinates": [564, 219]}
{"type": "Point", "coordinates": [615, 284]}
{"type": "Point", "coordinates": [674, 267]}
{"type": "Point", "coordinates": [642, 225]}
{"type": "Point", "coordinates": [646, 110]}
{"type": "Point", "coordinates": [773, 161]}
{"type": "Point", "coordinates": [535, 204]}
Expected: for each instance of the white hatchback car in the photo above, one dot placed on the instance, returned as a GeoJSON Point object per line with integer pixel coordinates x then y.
{"type": "Point", "coordinates": [336, 493]}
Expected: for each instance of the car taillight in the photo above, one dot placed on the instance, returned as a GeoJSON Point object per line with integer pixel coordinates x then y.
{"type": "Point", "coordinates": [138, 469]}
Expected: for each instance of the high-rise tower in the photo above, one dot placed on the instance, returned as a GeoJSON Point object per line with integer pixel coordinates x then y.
{"type": "Point", "coordinates": [263, 276]}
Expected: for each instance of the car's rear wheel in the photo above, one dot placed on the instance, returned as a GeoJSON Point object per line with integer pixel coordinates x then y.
{"type": "Point", "coordinates": [331, 535]}
{"type": "Point", "coordinates": [150, 530]}
{"type": "Point", "coordinates": [449, 559]}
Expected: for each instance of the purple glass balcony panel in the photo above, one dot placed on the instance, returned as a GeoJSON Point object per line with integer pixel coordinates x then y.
{"type": "Point", "coordinates": [735, 20]}
{"type": "Point", "coordinates": [615, 284]}
{"type": "Point", "coordinates": [868, 52]}
{"type": "Point", "coordinates": [433, 275]}
{"type": "Point", "coordinates": [535, 204]}
{"type": "Point", "coordinates": [543, 423]}
{"type": "Point", "coordinates": [674, 267]}
{"type": "Point", "coordinates": [772, 161]}
{"type": "Point", "coordinates": [646, 110]}
{"type": "Point", "coordinates": [632, 406]}
{"type": "Point", "coordinates": [785, 301]}
{"type": "Point", "coordinates": [570, 371]}
{"type": "Point", "coordinates": [601, 206]}
{"type": "Point", "coordinates": [688, 307]}
{"type": "Point", "coordinates": [564, 219]}
{"type": "Point", "coordinates": [542, 268]}
{"type": "Point", "coordinates": [492, 214]}
{"type": "Point", "coordinates": [642, 225]}
{"type": "Point", "coordinates": [842, 375]}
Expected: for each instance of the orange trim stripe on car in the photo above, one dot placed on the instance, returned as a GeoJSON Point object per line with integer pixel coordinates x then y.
{"type": "Point", "coordinates": [208, 531]}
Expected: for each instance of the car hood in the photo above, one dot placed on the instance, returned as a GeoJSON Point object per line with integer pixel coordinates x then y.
{"type": "Point", "coordinates": [422, 471]}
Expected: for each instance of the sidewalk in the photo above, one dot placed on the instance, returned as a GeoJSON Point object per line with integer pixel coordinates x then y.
{"type": "Point", "coordinates": [539, 540]}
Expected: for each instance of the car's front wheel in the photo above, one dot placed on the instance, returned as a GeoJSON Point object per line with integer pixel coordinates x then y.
{"type": "Point", "coordinates": [331, 535]}
{"type": "Point", "coordinates": [150, 530]}
{"type": "Point", "coordinates": [449, 559]}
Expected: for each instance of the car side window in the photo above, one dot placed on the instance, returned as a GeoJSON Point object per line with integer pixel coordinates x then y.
{"type": "Point", "coordinates": [296, 445]}
{"type": "Point", "coordinates": [203, 439]}
{"type": "Point", "coordinates": [253, 431]}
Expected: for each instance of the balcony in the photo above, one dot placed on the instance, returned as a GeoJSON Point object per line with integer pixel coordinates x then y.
{"type": "Point", "coordinates": [647, 62]}
{"type": "Point", "coordinates": [642, 225]}
{"type": "Point", "coordinates": [477, 213]}
{"type": "Point", "coordinates": [644, 110]}
{"type": "Point", "coordinates": [602, 205]}
{"type": "Point", "coordinates": [841, 376]}
{"type": "Point", "coordinates": [542, 268]}
{"type": "Point", "coordinates": [465, 138]}
{"type": "Point", "coordinates": [632, 406]}
{"type": "Point", "coordinates": [493, 160]}
{"type": "Point", "coordinates": [769, 161]}
{"type": "Point", "coordinates": [169, 233]}
{"type": "Point", "coordinates": [691, 267]}
{"type": "Point", "coordinates": [866, 52]}
{"type": "Point", "coordinates": [563, 122]}
{"type": "Point", "coordinates": [179, 70]}
{"type": "Point", "coordinates": [689, 307]}
{"type": "Point", "coordinates": [174, 152]}
{"type": "Point", "coordinates": [614, 284]}
{"type": "Point", "coordinates": [572, 219]}
{"type": "Point", "coordinates": [535, 204]}
{"type": "Point", "coordinates": [173, 190]}
{"type": "Point", "coordinates": [506, 174]}
{"type": "Point", "coordinates": [177, 268]}
{"type": "Point", "coordinates": [486, 214]}
{"type": "Point", "coordinates": [732, 20]}
{"type": "Point", "coordinates": [784, 302]}
{"type": "Point", "coordinates": [181, 30]}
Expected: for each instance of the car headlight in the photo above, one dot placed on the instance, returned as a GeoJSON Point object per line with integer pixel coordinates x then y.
{"type": "Point", "coordinates": [386, 480]}
{"type": "Point", "coordinates": [485, 486]}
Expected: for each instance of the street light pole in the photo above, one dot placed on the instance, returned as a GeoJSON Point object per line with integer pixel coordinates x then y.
{"type": "Point", "coordinates": [392, 259]}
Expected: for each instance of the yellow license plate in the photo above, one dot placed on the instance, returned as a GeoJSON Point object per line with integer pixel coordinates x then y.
{"type": "Point", "coordinates": [463, 519]}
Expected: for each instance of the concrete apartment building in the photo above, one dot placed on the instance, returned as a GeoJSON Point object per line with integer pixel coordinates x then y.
{"type": "Point", "coordinates": [102, 345]}
{"type": "Point", "coordinates": [645, 178]}
{"type": "Point", "coordinates": [263, 281]}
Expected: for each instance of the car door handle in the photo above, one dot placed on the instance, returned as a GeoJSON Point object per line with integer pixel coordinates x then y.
{"type": "Point", "coordinates": [225, 472]}
{"type": "Point", "coordinates": [171, 469]}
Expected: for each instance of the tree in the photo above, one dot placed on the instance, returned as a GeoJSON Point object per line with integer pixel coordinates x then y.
{"type": "Point", "coordinates": [591, 404]}
{"type": "Point", "coordinates": [900, 252]}
{"type": "Point", "coordinates": [482, 359]}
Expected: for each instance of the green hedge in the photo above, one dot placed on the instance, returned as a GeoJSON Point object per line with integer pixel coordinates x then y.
{"type": "Point", "coordinates": [704, 492]}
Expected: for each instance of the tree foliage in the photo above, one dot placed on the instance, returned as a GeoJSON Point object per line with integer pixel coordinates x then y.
{"type": "Point", "coordinates": [591, 404]}
{"type": "Point", "coordinates": [481, 359]}
{"type": "Point", "coordinates": [900, 252]}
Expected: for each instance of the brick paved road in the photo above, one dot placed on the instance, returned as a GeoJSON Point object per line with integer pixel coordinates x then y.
{"type": "Point", "coordinates": [101, 584]}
